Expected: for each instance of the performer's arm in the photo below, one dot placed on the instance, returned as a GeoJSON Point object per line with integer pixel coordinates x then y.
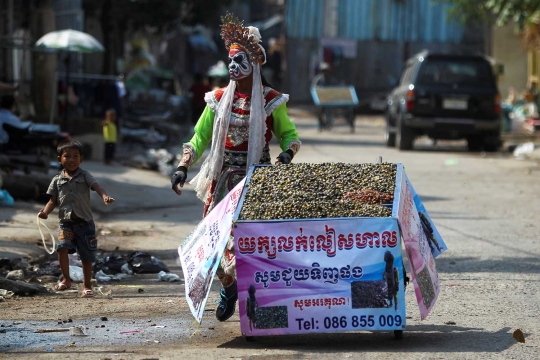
{"type": "Point", "coordinates": [285, 131]}
{"type": "Point", "coordinates": [200, 140]}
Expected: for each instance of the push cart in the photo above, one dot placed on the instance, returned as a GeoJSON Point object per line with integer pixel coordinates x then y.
{"type": "Point", "coordinates": [320, 275]}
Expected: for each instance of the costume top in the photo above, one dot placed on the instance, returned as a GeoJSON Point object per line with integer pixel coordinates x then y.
{"type": "Point", "coordinates": [277, 122]}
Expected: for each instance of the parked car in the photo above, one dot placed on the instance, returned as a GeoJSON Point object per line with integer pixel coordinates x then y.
{"type": "Point", "coordinates": [445, 96]}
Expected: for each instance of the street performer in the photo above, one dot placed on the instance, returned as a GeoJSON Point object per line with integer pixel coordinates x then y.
{"type": "Point", "coordinates": [239, 120]}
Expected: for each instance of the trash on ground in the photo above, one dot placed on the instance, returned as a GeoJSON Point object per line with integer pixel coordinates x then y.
{"type": "Point", "coordinates": [518, 335]}
{"type": "Point", "coordinates": [170, 277]}
{"type": "Point", "coordinates": [144, 263]}
{"type": "Point", "coordinates": [126, 270]}
{"type": "Point", "coordinates": [6, 199]}
{"type": "Point", "coordinates": [111, 265]}
{"type": "Point", "coordinates": [108, 294]}
{"type": "Point", "coordinates": [74, 260]}
{"type": "Point", "coordinates": [524, 150]}
{"type": "Point", "coordinates": [41, 331]}
{"type": "Point", "coordinates": [451, 162]}
{"type": "Point", "coordinates": [6, 294]}
{"type": "Point", "coordinates": [76, 274]}
{"type": "Point", "coordinates": [130, 331]}
{"type": "Point", "coordinates": [102, 277]}
{"type": "Point", "coordinates": [19, 264]}
{"type": "Point", "coordinates": [16, 275]}
{"type": "Point", "coordinates": [78, 330]}
{"type": "Point", "coordinates": [120, 276]}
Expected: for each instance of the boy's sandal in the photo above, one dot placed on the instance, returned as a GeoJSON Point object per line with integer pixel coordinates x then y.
{"type": "Point", "coordinates": [61, 287]}
{"type": "Point", "coordinates": [87, 293]}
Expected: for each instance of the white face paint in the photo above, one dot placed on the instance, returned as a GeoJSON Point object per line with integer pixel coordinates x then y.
{"type": "Point", "coordinates": [239, 65]}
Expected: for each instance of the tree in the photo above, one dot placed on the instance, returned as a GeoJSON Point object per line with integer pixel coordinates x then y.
{"type": "Point", "coordinates": [525, 14]}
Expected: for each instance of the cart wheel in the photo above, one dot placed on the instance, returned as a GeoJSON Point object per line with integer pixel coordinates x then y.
{"type": "Point", "coordinates": [250, 338]}
{"type": "Point", "coordinates": [398, 334]}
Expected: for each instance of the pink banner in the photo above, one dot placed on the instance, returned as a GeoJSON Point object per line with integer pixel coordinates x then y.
{"type": "Point", "coordinates": [418, 249]}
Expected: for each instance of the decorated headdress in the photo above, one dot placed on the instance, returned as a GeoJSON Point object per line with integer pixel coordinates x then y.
{"type": "Point", "coordinates": [248, 38]}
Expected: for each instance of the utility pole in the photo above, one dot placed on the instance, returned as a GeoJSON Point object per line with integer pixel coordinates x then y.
{"type": "Point", "coordinates": [6, 36]}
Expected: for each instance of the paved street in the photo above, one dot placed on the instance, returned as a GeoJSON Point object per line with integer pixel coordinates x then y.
{"type": "Point", "coordinates": [484, 205]}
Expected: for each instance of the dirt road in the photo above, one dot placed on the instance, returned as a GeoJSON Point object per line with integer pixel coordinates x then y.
{"type": "Point", "coordinates": [485, 207]}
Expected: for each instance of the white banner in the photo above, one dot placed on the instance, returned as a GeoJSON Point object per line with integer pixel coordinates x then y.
{"type": "Point", "coordinates": [201, 251]}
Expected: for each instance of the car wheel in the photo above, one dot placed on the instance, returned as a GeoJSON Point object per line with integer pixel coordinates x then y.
{"type": "Point", "coordinates": [474, 143]}
{"type": "Point", "coordinates": [492, 143]}
{"type": "Point", "coordinates": [389, 137]}
{"type": "Point", "coordinates": [405, 136]}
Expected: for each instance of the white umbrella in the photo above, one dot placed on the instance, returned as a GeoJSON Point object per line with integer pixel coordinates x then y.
{"type": "Point", "coordinates": [70, 40]}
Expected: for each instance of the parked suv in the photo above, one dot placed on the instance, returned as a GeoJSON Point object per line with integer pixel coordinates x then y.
{"type": "Point", "coordinates": [448, 97]}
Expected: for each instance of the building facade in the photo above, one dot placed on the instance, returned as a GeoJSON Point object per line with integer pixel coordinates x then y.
{"type": "Point", "coordinates": [366, 42]}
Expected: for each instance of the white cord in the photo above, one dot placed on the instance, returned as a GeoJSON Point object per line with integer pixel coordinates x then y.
{"type": "Point", "coordinates": [39, 223]}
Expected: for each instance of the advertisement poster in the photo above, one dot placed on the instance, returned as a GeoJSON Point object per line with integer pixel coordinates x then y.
{"type": "Point", "coordinates": [319, 275]}
{"type": "Point", "coordinates": [434, 239]}
{"type": "Point", "coordinates": [420, 248]}
{"type": "Point", "coordinates": [201, 251]}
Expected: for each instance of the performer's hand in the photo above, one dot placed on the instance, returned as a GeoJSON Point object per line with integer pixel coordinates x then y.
{"type": "Point", "coordinates": [284, 158]}
{"type": "Point", "coordinates": [178, 179]}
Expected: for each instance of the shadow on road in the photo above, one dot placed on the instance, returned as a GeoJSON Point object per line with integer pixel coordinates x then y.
{"type": "Point", "coordinates": [512, 265]}
{"type": "Point", "coordinates": [416, 338]}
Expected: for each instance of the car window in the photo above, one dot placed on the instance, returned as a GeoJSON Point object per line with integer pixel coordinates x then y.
{"type": "Point", "coordinates": [406, 76]}
{"type": "Point", "coordinates": [449, 72]}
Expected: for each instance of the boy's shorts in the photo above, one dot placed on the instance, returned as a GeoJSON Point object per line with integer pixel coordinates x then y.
{"type": "Point", "coordinates": [78, 236]}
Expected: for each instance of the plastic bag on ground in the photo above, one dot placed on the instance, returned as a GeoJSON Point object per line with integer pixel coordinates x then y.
{"type": "Point", "coordinates": [126, 270]}
{"type": "Point", "coordinates": [102, 277]}
{"type": "Point", "coordinates": [144, 263]}
{"type": "Point", "coordinates": [524, 150]}
{"type": "Point", "coordinates": [170, 277]}
{"type": "Point", "coordinates": [111, 265]}
{"type": "Point", "coordinates": [6, 199]}
{"type": "Point", "coordinates": [76, 274]}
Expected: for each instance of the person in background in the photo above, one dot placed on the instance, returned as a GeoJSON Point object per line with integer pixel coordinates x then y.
{"type": "Point", "coordinates": [70, 190]}
{"type": "Point", "coordinates": [533, 89]}
{"type": "Point", "coordinates": [109, 135]}
{"type": "Point", "coordinates": [273, 64]}
{"type": "Point", "coordinates": [198, 90]}
{"type": "Point", "coordinates": [7, 104]}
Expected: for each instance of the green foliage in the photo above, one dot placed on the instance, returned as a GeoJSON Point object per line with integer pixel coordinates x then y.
{"type": "Point", "coordinates": [499, 12]}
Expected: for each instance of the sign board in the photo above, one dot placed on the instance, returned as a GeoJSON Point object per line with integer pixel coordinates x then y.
{"type": "Point", "coordinates": [201, 251]}
{"type": "Point", "coordinates": [422, 244]}
{"type": "Point", "coordinates": [334, 95]}
{"type": "Point", "coordinates": [319, 275]}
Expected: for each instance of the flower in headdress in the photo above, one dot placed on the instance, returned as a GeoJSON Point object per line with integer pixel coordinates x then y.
{"type": "Point", "coordinates": [233, 32]}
